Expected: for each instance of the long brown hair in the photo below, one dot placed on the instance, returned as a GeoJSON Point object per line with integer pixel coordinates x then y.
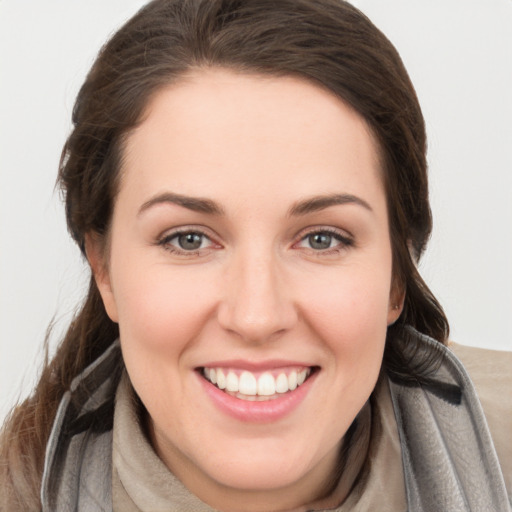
{"type": "Point", "coordinates": [327, 42]}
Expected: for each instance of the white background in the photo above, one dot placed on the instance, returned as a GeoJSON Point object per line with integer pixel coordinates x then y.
{"type": "Point", "coordinates": [459, 55]}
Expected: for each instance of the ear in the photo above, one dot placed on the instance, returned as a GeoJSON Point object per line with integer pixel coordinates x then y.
{"type": "Point", "coordinates": [95, 251]}
{"type": "Point", "coordinates": [396, 301]}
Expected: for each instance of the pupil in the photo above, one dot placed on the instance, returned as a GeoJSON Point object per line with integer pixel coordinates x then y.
{"type": "Point", "coordinates": [190, 241]}
{"type": "Point", "coordinates": [320, 241]}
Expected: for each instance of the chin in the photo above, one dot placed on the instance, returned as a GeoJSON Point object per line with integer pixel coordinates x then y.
{"type": "Point", "coordinates": [263, 468]}
{"type": "Point", "coordinates": [257, 477]}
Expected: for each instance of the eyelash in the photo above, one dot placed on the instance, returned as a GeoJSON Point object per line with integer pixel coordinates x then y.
{"type": "Point", "coordinates": [165, 242]}
{"type": "Point", "coordinates": [344, 240]}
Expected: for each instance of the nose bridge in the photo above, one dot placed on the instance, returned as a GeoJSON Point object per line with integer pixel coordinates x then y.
{"type": "Point", "coordinates": [256, 302]}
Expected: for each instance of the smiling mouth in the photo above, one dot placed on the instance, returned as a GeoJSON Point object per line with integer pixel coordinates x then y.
{"type": "Point", "coordinates": [258, 387]}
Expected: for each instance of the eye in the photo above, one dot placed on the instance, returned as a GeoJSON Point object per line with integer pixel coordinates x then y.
{"type": "Point", "coordinates": [190, 241]}
{"type": "Point", "coordinates": [325, 240]}
{"type": "Point", "coordinates": [320, 241]}
{"type": "Point", "coordinates": [186, 242]}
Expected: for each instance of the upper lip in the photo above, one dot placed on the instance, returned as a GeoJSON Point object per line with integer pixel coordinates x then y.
{"type": "Point", "coordinates": [255, 366]}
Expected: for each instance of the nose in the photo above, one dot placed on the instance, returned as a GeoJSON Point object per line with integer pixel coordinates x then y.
{"type": "Point", "coordinates": [256, 303]}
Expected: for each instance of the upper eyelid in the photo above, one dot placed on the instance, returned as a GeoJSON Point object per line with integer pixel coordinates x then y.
{"type": "Point", "coordinates": [342, 233]}
{"type": "Point", "coordinates": [172, 232]}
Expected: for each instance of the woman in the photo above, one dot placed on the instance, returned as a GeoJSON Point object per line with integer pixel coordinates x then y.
{"type": "Point", "coordinates": [248, 183]}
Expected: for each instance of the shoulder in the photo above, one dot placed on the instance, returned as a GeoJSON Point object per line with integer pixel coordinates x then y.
{"type": "Point", "coordinates": [491, 373]}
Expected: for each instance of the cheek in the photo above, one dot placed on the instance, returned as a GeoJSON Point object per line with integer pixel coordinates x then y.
{"type": "Point", "coordinates": [161, 315]}
{"type": "Point", "coordinates": [161, 309]}
{"type": "Point", "coordinates": [348, 310]}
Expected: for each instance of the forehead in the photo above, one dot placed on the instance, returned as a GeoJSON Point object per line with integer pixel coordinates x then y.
{"type": "Point", "coordinates": [216, 129]}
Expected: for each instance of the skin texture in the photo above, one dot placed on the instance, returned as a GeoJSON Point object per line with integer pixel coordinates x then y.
{"type": "Point", "coordinates": [256, 289]}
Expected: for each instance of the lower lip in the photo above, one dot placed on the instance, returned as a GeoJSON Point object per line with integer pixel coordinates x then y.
{"type": "Point", "coordinates": [257, 412]}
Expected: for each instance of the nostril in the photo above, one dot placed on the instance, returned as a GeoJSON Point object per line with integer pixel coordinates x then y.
{"type": "Point", "coordinates": [255, 323]}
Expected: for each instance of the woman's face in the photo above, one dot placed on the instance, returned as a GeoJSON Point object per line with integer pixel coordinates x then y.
{"type": "Point", "coordinates": [250, 243]}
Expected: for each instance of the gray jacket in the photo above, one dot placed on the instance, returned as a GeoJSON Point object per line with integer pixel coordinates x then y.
{"type": "Point", "coordinates": [449, 460]}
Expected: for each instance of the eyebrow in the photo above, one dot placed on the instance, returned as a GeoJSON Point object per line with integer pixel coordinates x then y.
{"type": "Point", "coordinates": [317, 203]}
{"type": "Point", "coordinates": [303, 207]}
{"type": "Point", "coordinates": [196, 204]}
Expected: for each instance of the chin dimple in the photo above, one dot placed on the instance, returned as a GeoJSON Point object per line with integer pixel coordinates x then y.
{"type": "Point", "coordinates": [250, 386]}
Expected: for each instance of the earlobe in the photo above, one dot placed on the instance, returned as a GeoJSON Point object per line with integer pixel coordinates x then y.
{"type": "Point", "coordinates": [395, 310]}
{"type": "Point", "coordinates": [95, 251]}
{"type": "Point", "coordinates": [396, 304]}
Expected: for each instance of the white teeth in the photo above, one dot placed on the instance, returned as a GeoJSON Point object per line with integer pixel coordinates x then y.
{"type": "Point", "coordinates": [232, 382]}
{"type": "Point", "coordinates": [266, 385]}
{"type": "Point", "coordinates": [292, 380]}
{"type": "Point", "coordinates": [282, 383]}
{"type": "Point", "coordinates": [248, 385]}
{"type": "Point", "coordinates": [221, 379]}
